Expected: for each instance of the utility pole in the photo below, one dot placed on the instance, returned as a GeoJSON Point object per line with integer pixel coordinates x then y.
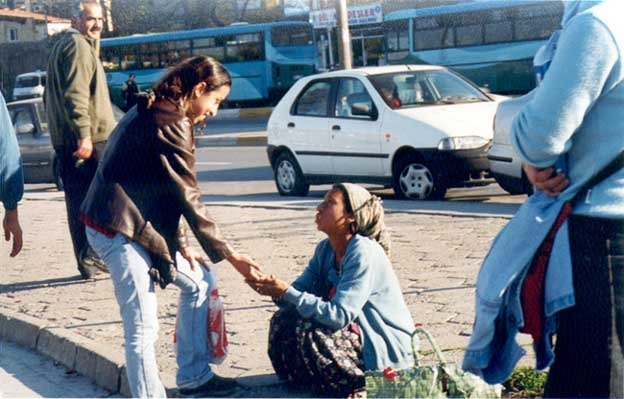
{"type": "Point", "coordinates": [109, 15]}
{"type": "Point", "coordinates": [344, 38]}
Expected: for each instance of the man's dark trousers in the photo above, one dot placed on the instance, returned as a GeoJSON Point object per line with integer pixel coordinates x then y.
{"type": "Point", "coordinates": [77, 177]}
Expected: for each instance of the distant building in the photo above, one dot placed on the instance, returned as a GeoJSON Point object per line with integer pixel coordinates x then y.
{"type": "Point", "coordinates": [34, 5]}
{"type": "Point", "coordinates": [22, 26]}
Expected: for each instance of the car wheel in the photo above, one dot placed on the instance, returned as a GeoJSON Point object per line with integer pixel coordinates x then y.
{"type": "Point", "coordinates": [288, 176]}
{"type": "Point", "coordinates": [514, 186]}
{"type": "Point", "coordinates": [415, 179]}
{"type": "Point", "coordinates": [526, 185]}
{"type": "Point", "coordinates": [58, 180]}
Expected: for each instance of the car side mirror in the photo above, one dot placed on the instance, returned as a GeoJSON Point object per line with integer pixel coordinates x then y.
{"type": "Point", "coordinates": [363, 109]}
{"type": "Point", "coordinates": [485, 89]}
{"type": "Point", "coordinates": [25, 128]}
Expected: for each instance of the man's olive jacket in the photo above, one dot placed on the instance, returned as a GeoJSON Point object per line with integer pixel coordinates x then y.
{"type": "Point", "coordinates": [76, 95]}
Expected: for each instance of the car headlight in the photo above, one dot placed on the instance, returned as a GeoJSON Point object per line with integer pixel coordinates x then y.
{"type": "Point", "coordinates": [461, 143]}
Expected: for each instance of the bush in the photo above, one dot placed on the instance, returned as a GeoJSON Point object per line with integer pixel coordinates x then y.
{"type": "Point", "coordinates": [525, 382]}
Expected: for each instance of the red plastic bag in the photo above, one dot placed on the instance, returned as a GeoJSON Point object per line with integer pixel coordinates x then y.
{"type": "Point", "coordinates": [216, 337]}
{"type": "Point", "coordinates": [217, 334]}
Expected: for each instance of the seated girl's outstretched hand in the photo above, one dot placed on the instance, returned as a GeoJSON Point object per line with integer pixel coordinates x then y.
{"type": "Point", "coordinates": [272, 286]}
{"type": "Point", "coordinates": [245, 266]}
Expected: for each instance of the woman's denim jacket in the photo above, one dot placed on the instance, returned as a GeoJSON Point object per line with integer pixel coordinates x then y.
{"type": "Point", "coordinates": [493, 351]}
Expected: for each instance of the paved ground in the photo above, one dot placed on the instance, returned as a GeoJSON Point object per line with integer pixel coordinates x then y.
{"type": "Point", "coordinates": [26, 374]}
{"type": "Point", "coordinates": [436, 257]}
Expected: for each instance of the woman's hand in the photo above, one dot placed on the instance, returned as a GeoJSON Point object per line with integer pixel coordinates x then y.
{"type": "Point", "coordinates": [193, 257]}
{"type": "Point", "coordinates": [269, 286]}
{"type": "Point", "coordinates": [245, 266]}
{"type": "Point", "coordinates": [546, 180]}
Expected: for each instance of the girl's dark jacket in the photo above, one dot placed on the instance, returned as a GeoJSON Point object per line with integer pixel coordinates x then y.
{"type": "Point", "coordinates": [146, 181]}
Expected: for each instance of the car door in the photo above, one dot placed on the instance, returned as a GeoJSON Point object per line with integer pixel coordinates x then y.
{"type": "Point", "coordinates": [355, 128]}
{"type": "Point", "coordinates": [34, 145]}
{"type": "Point", "coordinates": [307, 128]}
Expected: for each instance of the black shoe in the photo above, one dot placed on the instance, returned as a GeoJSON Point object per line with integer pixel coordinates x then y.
{"type": "Point", "coordinates": [214, 387]}
{"type": "Point", "coordinates": [90, 264]}
{"type": "Point", "coordinates": [87, 270]}
{"type": "Point", "coordinates": [93, 259]}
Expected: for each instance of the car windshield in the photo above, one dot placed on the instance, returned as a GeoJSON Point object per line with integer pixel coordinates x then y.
{"type": "Point", "coordinates": [417, 88]}
{"type": "Point", "coordinates": [31, 81]}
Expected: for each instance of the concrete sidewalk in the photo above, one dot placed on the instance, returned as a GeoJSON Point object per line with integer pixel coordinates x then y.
{"type": "Point", "coordinates": [44, 304]}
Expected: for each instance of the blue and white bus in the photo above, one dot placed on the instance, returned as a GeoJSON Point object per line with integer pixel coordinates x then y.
{"type": "Point", "coordinates": [263, 59]}
{"type": "Point", "coordinates": [492, 42]}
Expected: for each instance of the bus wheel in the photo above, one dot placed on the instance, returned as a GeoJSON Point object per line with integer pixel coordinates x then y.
{"type": "Point", "coordinates": [416, 179]}
{"type": "Point", "coordinates": [288, 176]}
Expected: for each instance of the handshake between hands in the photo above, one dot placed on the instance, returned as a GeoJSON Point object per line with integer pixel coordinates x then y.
{"type": "Point", "coordinates": [268, 285]}
{"type": "Point", "coordinates": [263, 284]}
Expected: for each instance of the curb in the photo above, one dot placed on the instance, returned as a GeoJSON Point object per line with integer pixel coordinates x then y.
{"type": "Point", "coordinates": [256, 112]}
{"type": "Point", "coordinates": [231, 140]}
{"type": "Point", "coordinates": [73, 351]}
{"type": "Point", "coordinates": [233, 113]}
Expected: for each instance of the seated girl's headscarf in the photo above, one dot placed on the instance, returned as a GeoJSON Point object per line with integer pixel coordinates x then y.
{"type": "Point", "coordinates": [368, 213]}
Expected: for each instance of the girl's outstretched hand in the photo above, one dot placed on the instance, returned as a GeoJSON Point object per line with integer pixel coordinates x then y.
{"type": "Point", "coordinates": [245, 266]}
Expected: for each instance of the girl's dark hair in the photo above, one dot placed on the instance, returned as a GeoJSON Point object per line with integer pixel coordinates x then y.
{"type": "Point", "coordinates": [345, 198]}
{"type": "Point", "coordinates": [178, 83]}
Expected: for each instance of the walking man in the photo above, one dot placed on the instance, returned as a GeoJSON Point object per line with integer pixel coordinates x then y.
{"type": "Point", "coordinates": [130, 91]}
{"type": "Point", "coordinates": [80, 118]}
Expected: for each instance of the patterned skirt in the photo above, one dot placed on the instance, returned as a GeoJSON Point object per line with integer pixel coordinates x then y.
{"type": "Point", "coordinates": [309, 354]}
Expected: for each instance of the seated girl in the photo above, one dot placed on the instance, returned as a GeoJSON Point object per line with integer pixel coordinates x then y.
{"type": "Point", "coordinates": [345, 314]}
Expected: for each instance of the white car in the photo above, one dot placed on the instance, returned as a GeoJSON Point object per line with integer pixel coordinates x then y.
{"type": "Point", "coordinates": [505, 165]}
{"type": "Point", "coordinates": [29, 85]}
{"type": "Point", "coordinates": [420, 129]}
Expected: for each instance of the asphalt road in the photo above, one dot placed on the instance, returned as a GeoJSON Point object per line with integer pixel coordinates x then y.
{"type": "Point", "coordinates": [243, 174]}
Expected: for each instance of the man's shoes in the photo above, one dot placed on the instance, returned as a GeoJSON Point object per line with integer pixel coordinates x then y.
{"type": "Point", "coordinates": [91, 257]}
{"type": "Point", "coordinates": [87, 268]}
{"type": "Point", "coordinates": [214, 387]}
{"type": "Point", "coordinates": [90, 264]}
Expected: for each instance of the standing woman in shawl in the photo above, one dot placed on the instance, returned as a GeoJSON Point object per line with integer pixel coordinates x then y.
{"type": "Point", "coordinates": [574, 119]}
{"type": "Point", "coordinates": [345, 314]}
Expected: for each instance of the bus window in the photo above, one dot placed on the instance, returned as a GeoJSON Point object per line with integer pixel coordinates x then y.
{"type": "Point", "coordinates": [397, 39]}
{"type": "Point", "coordinates": [149, 55]}
{"type": "Point", "coordinates": [498, 32]}
{"type": "Point", "coordinates": [536, 28]}
{"type": "Point", "coordinates": [174, 51]}
{"type": "Point", "coordinates": [291, 36]}
{"type": "Point", "coordinates": [245, 47]}
{"type": "Point", "coordinates": [432, 33]}
{"type": "Point", "coordinates": [110, 60]}
{"type": "Point", "coordinates": [129, 57]}
{"type": "Point", "coordinates": [210, 46]}
{"type": "Point", "coordinates": [536, 22]}
{"type": "Point", "coordinates": [468, 35]}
